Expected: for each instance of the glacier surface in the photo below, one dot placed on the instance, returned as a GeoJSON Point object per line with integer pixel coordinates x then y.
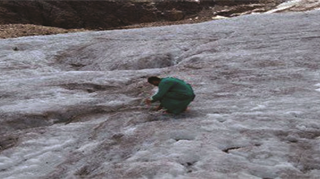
{"type": "Point", "coordinates": [72, 104]}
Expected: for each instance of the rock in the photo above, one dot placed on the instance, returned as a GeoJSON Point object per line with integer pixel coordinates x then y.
{"type": "Point", "coordinates": [74, 14]}
{"type": "Point", "coordinates": [90, 14]}
{"type": "Point", "coordinates": [173, 15]}
{"type": "Point", "coordinates": [233, 2]}
{"type": "Point", "coordinates": [240, 10]}
{"type": "Point", "coordinates": [107, 14]}
{"type": "Point", "coordinates": [7, 142]}
{"type": "Point", "coordinates": [188, 7]}
{"type": "Point", "coordinates": [48, 13]}
{"type": "Point", "coordinates": [131, 13]}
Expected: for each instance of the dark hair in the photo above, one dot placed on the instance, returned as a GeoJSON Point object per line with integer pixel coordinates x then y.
{"type": "Point", "coordinates": [153, 78]}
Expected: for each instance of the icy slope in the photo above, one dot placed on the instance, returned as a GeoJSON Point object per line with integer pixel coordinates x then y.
{"type": "Point", "coordinates": [71, 105]}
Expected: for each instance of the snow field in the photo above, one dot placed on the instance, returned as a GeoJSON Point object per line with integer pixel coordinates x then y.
{"type": "Point", "coordinates": [75, 102]}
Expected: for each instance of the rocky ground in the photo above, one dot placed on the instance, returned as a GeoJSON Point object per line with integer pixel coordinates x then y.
{"type": "Point", "coordinates": [20, 30]}
{"type": "Point", "coordinates": [206, 14]}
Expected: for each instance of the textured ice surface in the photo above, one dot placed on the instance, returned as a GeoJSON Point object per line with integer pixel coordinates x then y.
{"type": "Point", "coordinates": [72, 105]}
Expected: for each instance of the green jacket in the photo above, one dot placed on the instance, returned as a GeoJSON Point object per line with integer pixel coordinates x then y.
{"type": "Point", "coordinates": [173, 88]}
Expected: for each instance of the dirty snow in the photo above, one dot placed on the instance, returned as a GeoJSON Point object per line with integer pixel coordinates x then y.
{"type": "Point", "coordinates": [72, 105]}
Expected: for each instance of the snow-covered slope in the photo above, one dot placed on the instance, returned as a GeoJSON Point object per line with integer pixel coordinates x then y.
{"type": "Point", "coordinates": [71, 105]}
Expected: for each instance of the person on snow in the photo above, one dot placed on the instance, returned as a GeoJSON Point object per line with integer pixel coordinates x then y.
{"type": "Point", "coordinates": [173, 94]}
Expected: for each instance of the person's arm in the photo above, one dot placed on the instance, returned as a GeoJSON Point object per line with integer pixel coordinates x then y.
{"type": "Point", "coordinates": [164, 87]}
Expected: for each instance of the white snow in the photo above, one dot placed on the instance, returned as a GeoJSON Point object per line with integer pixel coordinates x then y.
{"type": "Point", "coordinates": [317, 85]}
{"type": "Point", "coordinates": [297, 5]}
{"type": "Point", "coordinates": [285, 5]}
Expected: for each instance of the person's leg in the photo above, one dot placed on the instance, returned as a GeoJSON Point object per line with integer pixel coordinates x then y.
{"type": "Point", "coordinates": [168, 104]}
{"type": "Point", "coordinates": [175, 106]}
{"type": "Point", "coordinates": [177, 96]}
{"type": "Point", "coordinates": [181, 107]}
{"type": "Point", "coordinates": [158, 108]}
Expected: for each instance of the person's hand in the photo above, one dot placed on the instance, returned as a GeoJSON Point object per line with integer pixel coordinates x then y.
{"type": "Point", "coordinates": [158, 108]}
{"type": "Point", "coordinates": [148, 101]}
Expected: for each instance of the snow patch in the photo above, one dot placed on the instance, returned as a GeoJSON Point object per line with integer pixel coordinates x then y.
{"type": "Point", "coordinates": [219, 17]}
{"type": "Point", "coordinates": [86, 148]}
{"type": "Point", "coordinates": [129, 130]}
{"type": "Point", "coordinates": [317, 85]}
{"type": "Point", "coordinates": [259, 107]}
{"type": "Point", "coordinates": [285, 5]}
{"type": "Point", "coordinates": [218, 117]}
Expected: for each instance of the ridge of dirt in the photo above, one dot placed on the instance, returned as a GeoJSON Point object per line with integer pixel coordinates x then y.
{"type": "Point", "coordinates": [19, 30]}
{"type": "Point", "coordinates": [206, 14]}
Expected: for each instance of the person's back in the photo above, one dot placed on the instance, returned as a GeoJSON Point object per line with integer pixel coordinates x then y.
{"type": "Point", "coordinates": [174, 94]}
{"type": "Point", "coordinates": [179, 87]}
